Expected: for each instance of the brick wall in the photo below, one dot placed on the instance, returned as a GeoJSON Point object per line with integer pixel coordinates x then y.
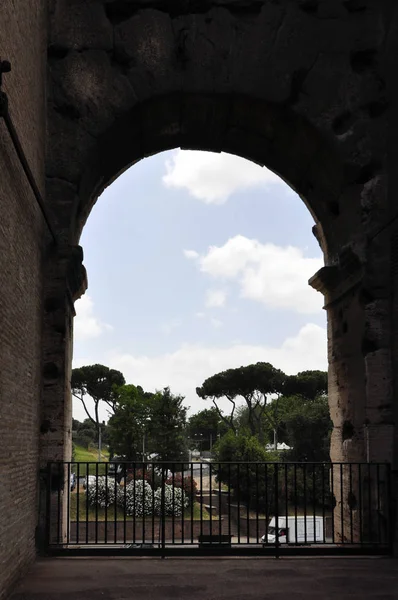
{"type": "Point", "coordinates": [22, 27]}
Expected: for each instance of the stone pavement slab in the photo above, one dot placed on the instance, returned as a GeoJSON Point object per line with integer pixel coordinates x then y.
{"type": "Point", "coordinates": [211, 579]}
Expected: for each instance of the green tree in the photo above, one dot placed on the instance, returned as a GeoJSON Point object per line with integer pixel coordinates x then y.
{"type": "Point", "coordinates": [126, 427]}
{"type": "Point", "coordinates": [154, 420]}
{"type": "Point", "coordinates": [256, 384]}
{"type": "Point", "coordinates": [167, 427]}
{"type": "Point", "coordinates": [98, 383]}
{"type": "Point", "coordinates": [247, 469]}
{"type": "Point", "coordinates": [308, 430]}
{"type": "Point", "coordinates": [205, 426]}
{"type": "Point", "coordinates": [308, 384]}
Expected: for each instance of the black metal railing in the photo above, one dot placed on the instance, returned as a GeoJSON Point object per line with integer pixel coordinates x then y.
{"type": "Point", "coordinates": [258, 508]}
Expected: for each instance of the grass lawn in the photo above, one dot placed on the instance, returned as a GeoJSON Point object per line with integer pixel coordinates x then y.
{"type": "Point", "coordinates": [119, 512]}
{"type": "Point", "coordinates": [82, 455]}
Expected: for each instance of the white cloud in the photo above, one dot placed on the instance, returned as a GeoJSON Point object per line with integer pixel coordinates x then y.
{"type": "Point", "coordinates": [216, 323]}
{"type": "Point", "coordinates": [167, 328]}
{"type": "Point", "coordinates": [187, 368]}
{"type": "Point", "coordinates": [200, 315]}
{"type": "Point", "coordinates": [191, 254]}
{"type": "Point", "coordinates": [86, 324]}
{"type": "Point", "coordinates": [215, 298]}
{"type": "Point", "coordinates": [276, 276]}
{"type": "Point", "coordinates": [212, 177]}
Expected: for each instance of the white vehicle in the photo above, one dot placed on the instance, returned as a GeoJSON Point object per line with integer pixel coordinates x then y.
{"type": "Point", "coordinates": [303, 530]}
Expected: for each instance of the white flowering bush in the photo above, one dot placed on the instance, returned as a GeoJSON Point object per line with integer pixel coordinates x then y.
{"type": "Point", "coordinates": [136, 499]}
{"type": "Point", "coordinates": [172, 505]}
{"type": "Point", "coordinates": [106, 493]}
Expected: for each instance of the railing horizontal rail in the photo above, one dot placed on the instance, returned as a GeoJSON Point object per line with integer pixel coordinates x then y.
{"type": "Point", "coordinates": [218, 507]}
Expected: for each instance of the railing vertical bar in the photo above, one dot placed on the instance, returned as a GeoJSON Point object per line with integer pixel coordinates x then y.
{"type": "Point", "coordinates": [211, 497]}
{"type": "Point", "coordinates": [134, 503]}
{"type": "Point", "coordinates": [78, 506]}
{"type": "Point", "coordinates": [305, 500]}
{"type": "Point", "coordinates": [360, 503]}
{"type": "Point", "coordinates": [219, 502]}
{"type": "Point", "coordinates": [370, 503]}
{"type": "Point", "coordinates": [106, 504]}
{"type": "Point", "coordinates": [257, 504]}
{"type": "Point", "coordinates": [143, 503]}
{"type": "Point", "coordinates": [314, 500]}
{"type": "Point", "coordinates": [229, 501]}
{"type": "Point", "coordinates": [341, 504]}
{"type": "Point", "coordinates": [201, 497]}
{"type": "Point", "coordinates": [334, 499]}
{"type": "Point", "coordinates": [286, 505]}
{"type": "Point", "coordinates": [68, 503]}
{"type": "Point", "coordinates": [115, 509]}
{"type": "Point", "coordinates": [378, 504]}
{"type": "Point", "coordinates": [96, 500]}
{"type": "Point", "coordinates": [163, 511]}
{"type": "Point", "coordinates": [351, 495]}
{"type": "Point", "coordinates": [48, 504]}
{"type": "Point", "coordinates": [183, 503]}
{"type": "Point", "coordinates": [390, 509]}
{"type": "Point", "coordinates": [152, 479]}
{"type": "Point", "coordinates": [276, 469]}
{"type": "Point", "coordinates": [87, 503]}
{"type": "Point", "coordinates": [238, 499]}
{"type": "Point", "coordinates": [266, 498]}
{"type": "Point", "coordinates": [60, 481]}
{"type": "Point", "coordinates": [248, 505]}
{"type": "Point", "coordinates": [173, 503]}
{"type": "Point", "coordinates": [323, 505]}
{"type": "Point", "coordinates": [193, 500]}
{"type": "Point", "coordinates": [295, 502]}
{"type": "Point", "coordinates": [124, 502]}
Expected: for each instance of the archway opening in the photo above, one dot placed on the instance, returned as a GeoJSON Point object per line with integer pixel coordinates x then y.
{"type": "Point", "coordinates": [252, 129]}
{"type": "Point", "coordinates": [203, 266]}
{"type": "Point", "coordinates": [263, 133]}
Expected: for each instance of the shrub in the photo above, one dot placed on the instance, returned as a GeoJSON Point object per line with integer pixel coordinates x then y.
{"type": "Point", "coordinates": [106, 493]}
{"type": "Point", "coordinates": [150, 476]}
{"type": "Point", "coordinates": [136, 499]}
{"type": "Point", "coordinates": [173, 504]}
{"type": "Point", "coordinates": [187, 484]}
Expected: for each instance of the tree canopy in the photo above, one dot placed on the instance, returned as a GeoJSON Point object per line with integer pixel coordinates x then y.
{"type": "Point", "coordinates": [99, 383]}
{"type": "Point", "coordinates": [204, 427]}
{"type": "Point", "coordinates": [308, 384]}
{"type": "Point", "coordinates": [254, 383]}
{"type": "Point", "coordinates": [158, 417]}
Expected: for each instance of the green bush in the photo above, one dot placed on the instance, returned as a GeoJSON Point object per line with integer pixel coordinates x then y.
{"type": "Point", "coordinates": [244, 465]}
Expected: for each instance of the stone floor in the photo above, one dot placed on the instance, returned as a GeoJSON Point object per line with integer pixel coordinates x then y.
{"type": "Point", "coordinates": [211, 579]}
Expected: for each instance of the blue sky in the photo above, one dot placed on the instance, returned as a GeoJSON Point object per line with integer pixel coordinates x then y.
{"type": "Point", "coordinates": [198, 262]}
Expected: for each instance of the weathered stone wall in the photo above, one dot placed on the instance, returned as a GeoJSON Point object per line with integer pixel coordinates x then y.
{"type": "Point", "coordinates": [305, 87]}
{"type": "Point", "coordinates": [22, 42]}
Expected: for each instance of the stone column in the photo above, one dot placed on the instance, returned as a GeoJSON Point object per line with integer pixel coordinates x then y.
{"type": "Point", "coordinates": [65, 282]}
{"type": "Point", "coordinates": [356, 293]}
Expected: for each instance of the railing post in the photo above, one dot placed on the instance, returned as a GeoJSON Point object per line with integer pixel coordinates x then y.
{"type": "Point", "coordinates": [162, 513]}
{"type": "Point", "coordinates": [48, 507]}
{"type": "Point", "coordinates": [276, 511]}
{"type": "Point", "coordinates": [391, 512]}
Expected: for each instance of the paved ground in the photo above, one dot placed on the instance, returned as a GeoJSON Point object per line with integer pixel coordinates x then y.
{"type": "Point", "coordinates": [211, 579]}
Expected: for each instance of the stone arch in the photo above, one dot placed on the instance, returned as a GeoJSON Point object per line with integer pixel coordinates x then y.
{"type": "Point", "coordinates": [296, 86]}
{"type": "Point", "coordinates": [266, 134]}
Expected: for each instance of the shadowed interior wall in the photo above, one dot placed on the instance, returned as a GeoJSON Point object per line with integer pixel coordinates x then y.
{"type": "Point", "coordinates": [22, 42]}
